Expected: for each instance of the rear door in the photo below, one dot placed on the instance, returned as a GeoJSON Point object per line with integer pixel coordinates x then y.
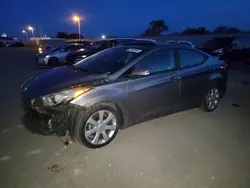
{"type": "Point", "coordinates": [157, 92]}
{"type": "Point", "coordinates": [194, 75]}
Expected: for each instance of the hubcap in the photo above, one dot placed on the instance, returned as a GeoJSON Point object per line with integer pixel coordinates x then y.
{"type": "Point", "coordinates": [100, 127]}
{"type": "Point", "coordinates": [213, 98]}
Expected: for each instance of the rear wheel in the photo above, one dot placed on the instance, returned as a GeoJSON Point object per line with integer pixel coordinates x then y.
{"type": "Point", "coordinates": [53, 61]}
{"type": "Point", "coordinates": [212, 99]}
{"type": "Point", "coordinates": [97, 126]}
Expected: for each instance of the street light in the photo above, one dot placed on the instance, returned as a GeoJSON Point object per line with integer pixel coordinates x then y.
{"type": "Point", "coordinates": [78, 19]}
{"type": "Point", "coordinates": [24, 32]}
{"type": "Point", "coordinates": [103, 36]}
{"type": "Point", "coordinates": [32, 30]}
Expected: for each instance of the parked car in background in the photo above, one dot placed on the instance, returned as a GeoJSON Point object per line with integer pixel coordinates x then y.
{"type": "Point", "coordinates": [217, 45]}
{"type": "Point", "coordinates": [124, 85]}
{"type": "Point", "coordinates": [99, 46]}
{"type": "Point", "coordinates": [16, 44]}
{"type": "Point", "coordinates": [11, 44]}
{"type": "Point", "coordinates": [230, 49]}
{"type": "Point", "coordinates": [238, 51]}
{"type": "Point", "coordinates": [183, 43]}
{"type": "Point", "coordinates": [82, 42]}
{"type": "Point", "coordinates": [44, 47]}
{"type": "Point", "coordinates": [57, 55]}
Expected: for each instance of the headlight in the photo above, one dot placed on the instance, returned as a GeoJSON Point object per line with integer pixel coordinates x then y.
{"type": "Point", "coordinates": [47, 56]}
{"type": "Point", "coordinates": [40, 50]}
{"type": "Point", "coordinates": [64, 96]}
{"type": "Point", "coordinates": [83, 56]}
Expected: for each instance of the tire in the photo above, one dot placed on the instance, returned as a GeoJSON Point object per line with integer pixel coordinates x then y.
{"type": "Point", "coordinates": [53, 61]}
{"type": "Point", "coordinates": [82, 125]}
{"type": "Point", "coordinates": [212, 99]}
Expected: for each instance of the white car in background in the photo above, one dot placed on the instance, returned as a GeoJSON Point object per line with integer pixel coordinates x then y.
{"type": "Point", "coordinates": [57, 55]}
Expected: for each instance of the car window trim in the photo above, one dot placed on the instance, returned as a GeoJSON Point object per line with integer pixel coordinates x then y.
{"type": "Point", "coordinates": [178, 58]}
{"type": "Point", "coordinates": [172, 57]}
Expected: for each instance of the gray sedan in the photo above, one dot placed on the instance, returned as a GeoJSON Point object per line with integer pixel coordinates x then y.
{"type": "Point", "coordinates": [57, 55]}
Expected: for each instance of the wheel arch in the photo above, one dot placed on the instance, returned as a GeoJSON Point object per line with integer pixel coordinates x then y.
{"type": "Point", "coordinates": [118, 104]}
{"type": "Point", "coordinates": [220, 82]}
{"type": "Point", "coordinates": [51, 58]}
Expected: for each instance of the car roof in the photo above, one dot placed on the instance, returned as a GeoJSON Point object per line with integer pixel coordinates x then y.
{"type": "Point", "coordinates": [154, 46]}
{"type": "Point", "coordinates": [148, 45]}
{"type": "Point", "coordinates": [128, 39]}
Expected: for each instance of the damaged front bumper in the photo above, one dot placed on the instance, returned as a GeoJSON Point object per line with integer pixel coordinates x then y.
{"type": "Point", "coordinates": [59, 119]}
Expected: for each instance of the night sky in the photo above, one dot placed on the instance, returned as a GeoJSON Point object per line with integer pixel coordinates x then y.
{"type": "Point", "coordinates": [119, 17]}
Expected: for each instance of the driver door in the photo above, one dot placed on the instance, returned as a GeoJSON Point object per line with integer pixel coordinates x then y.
{"type": "Point", "coordinates": [157, 92]}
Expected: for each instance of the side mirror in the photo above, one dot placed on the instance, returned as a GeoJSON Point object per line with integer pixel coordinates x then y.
{"type": "Point", "coordinates": [140, 71]}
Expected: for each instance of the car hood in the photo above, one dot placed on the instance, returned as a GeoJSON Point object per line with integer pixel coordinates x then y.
{"type": "Point", "coordinates": [58, 79]}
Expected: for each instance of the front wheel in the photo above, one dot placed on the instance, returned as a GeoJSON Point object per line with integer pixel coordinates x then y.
{"type": "Point", "coordinates": [53, 61]}
{"type": "Point", "coordinates": [212, 99]}
{"type": "Point", "coordinates": [98, 126]}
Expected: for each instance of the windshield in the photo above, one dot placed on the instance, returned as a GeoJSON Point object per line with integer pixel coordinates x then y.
{"type": "Point", "coordinates": [56, 48]}
{"type": "Point", "coordinates": [110, 60]}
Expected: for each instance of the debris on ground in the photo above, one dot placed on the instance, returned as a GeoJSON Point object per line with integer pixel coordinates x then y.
{"type": "Point", "coordinates": [236, 105]}
{"type": "Point", "coordinates": [65, 140]}
{"type": "Point", "coordinates": [67, 143]}
{"type": "Point", "coordinates": [54, 168]}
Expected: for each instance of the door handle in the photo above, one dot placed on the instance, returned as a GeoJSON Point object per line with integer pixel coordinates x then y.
{"type": "Point", "coordinates": [175, 78]}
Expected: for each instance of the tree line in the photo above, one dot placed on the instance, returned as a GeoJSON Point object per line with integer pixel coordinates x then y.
{"type": "Point", "coordinates": [156, 27]}
{"type": "Point", "coordinates": [64, 35]}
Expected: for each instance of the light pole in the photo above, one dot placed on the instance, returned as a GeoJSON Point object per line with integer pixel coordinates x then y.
{"type": "Point", "coordinates": [32, 30]}
{"type": "Point", "coordinates": [78, 19]}
{"type": "Point", "coordinates": [24, 32]}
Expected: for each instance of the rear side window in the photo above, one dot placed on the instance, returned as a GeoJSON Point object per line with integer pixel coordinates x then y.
{"type": "Point", "coordinates": [158, 61]}
{"type": "Point", "coordinates": [190, 58]}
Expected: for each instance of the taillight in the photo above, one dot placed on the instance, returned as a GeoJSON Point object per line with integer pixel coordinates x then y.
{"type": "Point", "coordinates": [223, 67]}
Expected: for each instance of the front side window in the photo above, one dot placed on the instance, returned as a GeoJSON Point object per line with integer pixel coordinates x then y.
{"type": "Point", "coordinates": [56, 48]}
{"type": "Point", "coordinates": [109, 60]}
{"type": "Point", "coordinates": [190, 58]}
{"type": "Point", "coordinates": [158, 61]}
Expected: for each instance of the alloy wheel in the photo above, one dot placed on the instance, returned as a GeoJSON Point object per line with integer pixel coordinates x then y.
{"type": "Point", "coordinates": [212, 100]}
{"type": "Point", "coordinates": [100, 127]}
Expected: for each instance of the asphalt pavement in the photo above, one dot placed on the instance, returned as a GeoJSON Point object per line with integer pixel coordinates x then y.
{"type": "Point", "coordinates": [191, 149]}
